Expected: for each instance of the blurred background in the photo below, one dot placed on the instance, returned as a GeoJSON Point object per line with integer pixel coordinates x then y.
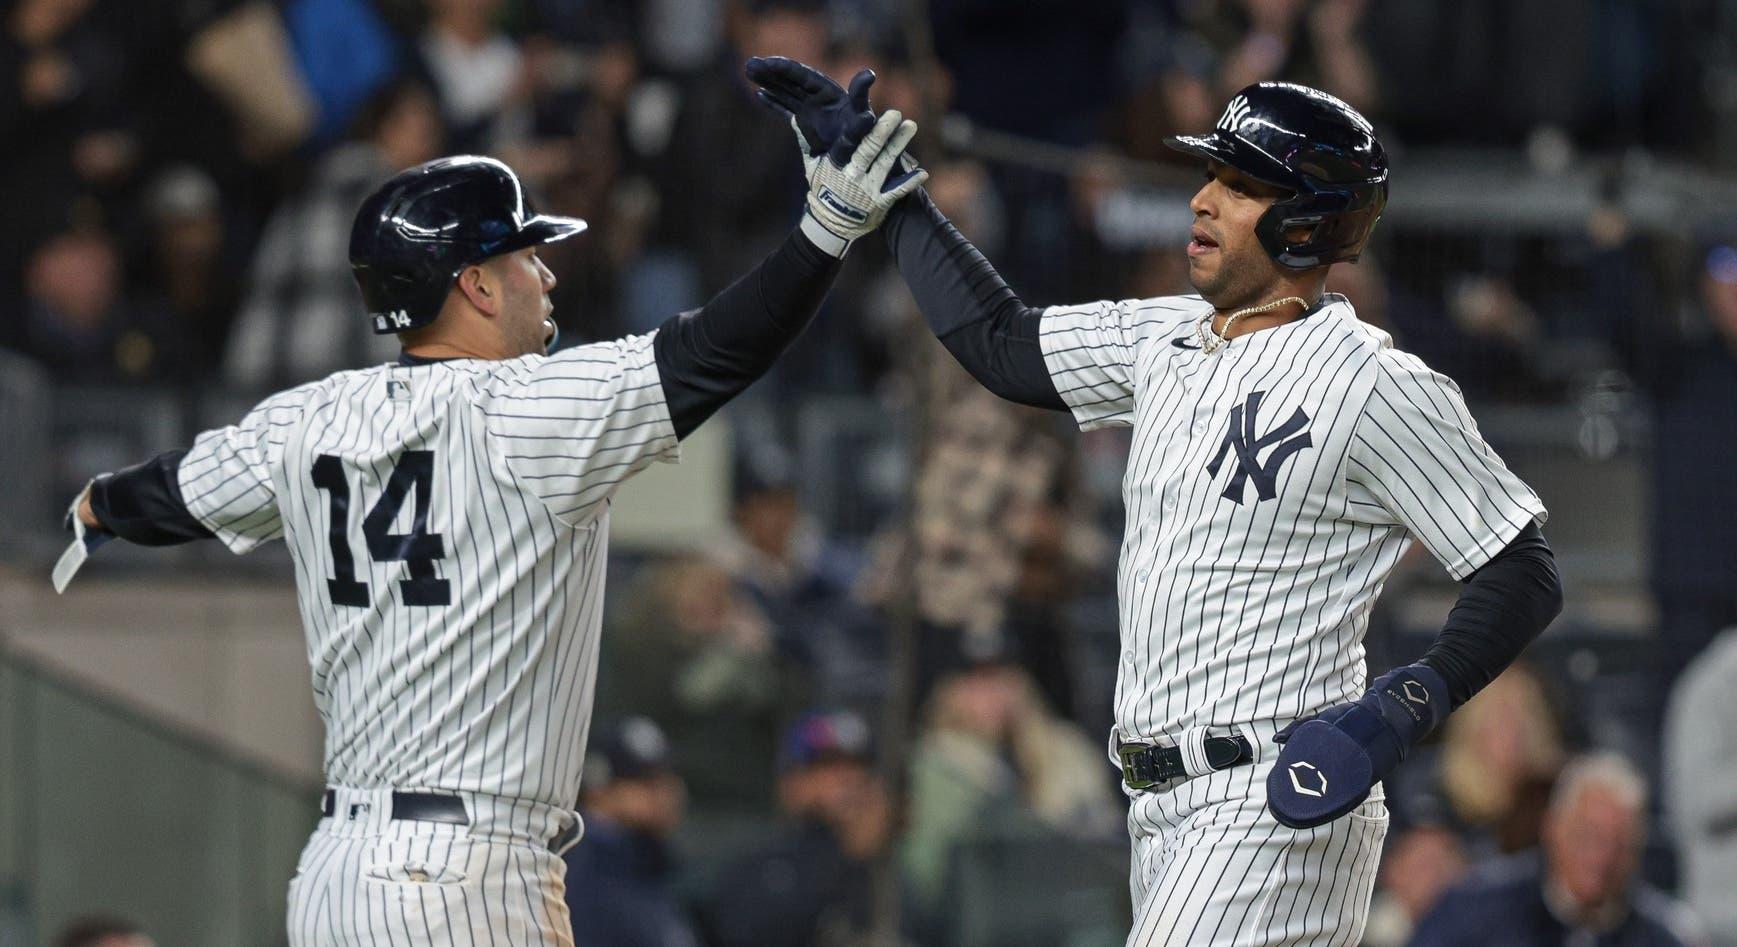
{"type": "Point", "coordinates": [859, 652]}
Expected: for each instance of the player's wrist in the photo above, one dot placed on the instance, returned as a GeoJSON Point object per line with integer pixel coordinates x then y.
{"type": "Point", "coordinates": [823, 238]}
{"type": "Point", "coordinates": [1412, 700]}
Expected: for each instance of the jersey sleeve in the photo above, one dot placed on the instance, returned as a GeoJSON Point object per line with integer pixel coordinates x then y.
{"type": "Point", "coordinates": [578, 423]}
{"type": "Point", "coordinates": [226, 476]}
{"type": "Point", "coordinates": [1090, 351]}
{"type": "Point", "coordinates": [1418, 461]}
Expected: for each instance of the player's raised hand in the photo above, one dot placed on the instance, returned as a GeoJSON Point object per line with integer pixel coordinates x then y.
{"type": "Point", "coordinates": [824, 110]}
{"type": "Point", "coordinates": [1330, 761]}
{"type": "Point", "coordinates": [846, 201]}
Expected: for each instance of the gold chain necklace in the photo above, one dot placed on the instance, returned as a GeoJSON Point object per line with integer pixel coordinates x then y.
{"type": "Point", "coordinates": [1211, 340]}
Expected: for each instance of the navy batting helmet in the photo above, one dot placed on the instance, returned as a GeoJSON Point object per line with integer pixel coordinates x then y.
{"type": "Point", "coordinates": [414, 235]}
{"type": "Point", "coordinates": [1314, 146]}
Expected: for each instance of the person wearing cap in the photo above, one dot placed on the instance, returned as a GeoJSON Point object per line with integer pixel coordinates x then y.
{"type": "Point", "coordinates": [619, 889]}
{"type": "Point", "coordinates": [811, 885]}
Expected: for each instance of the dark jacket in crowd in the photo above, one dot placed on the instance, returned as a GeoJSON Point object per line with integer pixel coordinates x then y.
{"type": "Point", "coordinates": [800, 891]}
{"type": "Point", "coordinates": [1503, 905]}
{"type": "Point", "coordinates": [618, 890]}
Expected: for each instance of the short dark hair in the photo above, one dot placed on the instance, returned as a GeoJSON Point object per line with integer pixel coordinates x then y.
{"type": "Point", "coordinates": [89, 931]}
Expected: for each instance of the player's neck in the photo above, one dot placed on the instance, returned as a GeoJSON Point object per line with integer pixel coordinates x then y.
{"type": "Point", "coordinates": [455, 344]}
{"type": "Point", "coordinates": [443, 350]}
{"type": "Point", "coordinates": [1284, 303]}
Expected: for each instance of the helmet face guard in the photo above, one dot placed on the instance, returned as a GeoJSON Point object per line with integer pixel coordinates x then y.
{"type": "Point", "coordinates": [413, 236]}
{"type": "Point", "coordinates": [1316, 147]}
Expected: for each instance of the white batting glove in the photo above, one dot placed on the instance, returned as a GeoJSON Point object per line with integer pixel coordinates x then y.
{"type": "Point", "coordinates": [844, 203]}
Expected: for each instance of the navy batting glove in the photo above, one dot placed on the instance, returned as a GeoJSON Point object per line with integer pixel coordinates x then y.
{"type": "Point", "coordinates": [826, 114]}
{"type": "Point", "coordinates": [1330, 761]}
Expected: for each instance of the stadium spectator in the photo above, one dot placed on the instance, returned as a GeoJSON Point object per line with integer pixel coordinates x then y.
{"type": "Point", "coordinates": [1690, 371]}
{"type": "Point", "coordinates": [1417, 867]}
{"type": "Point", "coordinates": [801, 580]}
{"type": "Point", "coordinates": [1499, 758]}
{"type": "Point", "coordinates": [812, 884]}
{"type": "Point", "coordinates": [993, 759]}
{"type": "Point", "coordinates": [693, 652]}
{"type": "Point", "coordinates": [189, 273]}
{"type": "Point", "coordinates": [620, 877]}
{"type": "Point", "coordinates": [479, 72]}
{"type": "Point", "coordinates": [78, 322]}
{"type": "Point", "coordinates": [718, 117]}
{"type": "Point", "coordinates": [103, 932]}
{"type": "Point", "coordinates": [1700, 776]}
{"type": "Point", "coordinates": [1581, 888]}
{"type": "Point", "coordinates": [302, 317]}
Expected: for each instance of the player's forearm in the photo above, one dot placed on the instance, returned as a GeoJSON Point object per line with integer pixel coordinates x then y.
{"type": "Point", "coordinates": [708, 355]}
{"type": "Point", "coordinates": [143, 503]}
{"type": "Point", "coordinates": [1502, 607]}
{"type": "Point", "coordinates": [969, 307]}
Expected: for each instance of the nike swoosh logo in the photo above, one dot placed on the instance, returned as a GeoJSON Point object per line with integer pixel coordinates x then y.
{"type": "Point", "coordinates": [1182, 342]}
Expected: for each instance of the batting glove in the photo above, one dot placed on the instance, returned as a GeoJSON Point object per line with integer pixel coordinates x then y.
{"type": "Point", "coordinates": [846, 201]}
{"type": "Point", "coordinates": [1330, 761]}
{"type": "Point", "coordinates": [823, 111]}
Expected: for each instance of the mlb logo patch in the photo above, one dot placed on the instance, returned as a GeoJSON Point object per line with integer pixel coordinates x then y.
{"type": "Point", "coordinates": [397, 390]}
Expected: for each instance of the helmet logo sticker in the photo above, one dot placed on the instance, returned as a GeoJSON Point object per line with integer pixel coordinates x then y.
{"type": "Point", "coordinates": [1234, 113]}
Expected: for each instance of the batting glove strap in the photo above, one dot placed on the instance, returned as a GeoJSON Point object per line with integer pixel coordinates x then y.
{"type": "Point", "coordinates": [1331, 761]}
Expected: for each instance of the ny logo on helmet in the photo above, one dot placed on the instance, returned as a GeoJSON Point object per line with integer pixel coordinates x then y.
{"type": "Point", "coordinates": [1242, 440]}
{"type": "Point", "coordinates": [1234, 113]}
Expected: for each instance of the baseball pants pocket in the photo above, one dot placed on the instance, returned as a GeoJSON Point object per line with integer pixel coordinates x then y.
{"type": "Point", "coordinates": [1240, 879]}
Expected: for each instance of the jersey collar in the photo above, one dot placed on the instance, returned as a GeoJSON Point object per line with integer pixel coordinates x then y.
{"type": "Point", "coordinates": [410, 361]}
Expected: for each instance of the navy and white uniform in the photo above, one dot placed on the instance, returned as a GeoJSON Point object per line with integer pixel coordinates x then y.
{"type": "Point", "coordinates": [449, 526]}
{"type": "Point", "coordinates": [1271, 488]}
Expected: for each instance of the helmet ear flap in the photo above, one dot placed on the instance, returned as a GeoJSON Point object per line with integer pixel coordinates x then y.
{"type": "Point", "coordinates": [1338, 227]}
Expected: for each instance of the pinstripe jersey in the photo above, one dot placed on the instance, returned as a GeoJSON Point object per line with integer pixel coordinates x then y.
{"type": "Point", "coordinates": [449, 525]}
{"type": "Point", "coordinates": [1270, 490]}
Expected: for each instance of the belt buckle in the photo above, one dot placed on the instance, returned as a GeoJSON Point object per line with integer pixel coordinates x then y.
{"type": "Point", "coordinates": [1139, 769]}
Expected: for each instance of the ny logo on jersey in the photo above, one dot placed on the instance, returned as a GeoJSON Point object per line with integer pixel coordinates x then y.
{"type": "Point", "coordinates": [1234, 113]}
{"type": "Point", "coordinates": [1242, 439]}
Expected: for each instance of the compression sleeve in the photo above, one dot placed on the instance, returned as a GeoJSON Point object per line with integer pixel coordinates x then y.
{"type": "Point", "coordinates": [706, 356]}
{"type": "Point", "coordinates": [143, 503]}
{"type": "Point", "coordinates": [1502, 607]}
{"type": "Point", "coordinates": [969, 307]}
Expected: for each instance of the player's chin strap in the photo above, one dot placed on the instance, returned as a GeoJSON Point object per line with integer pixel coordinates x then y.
{"type": "Point", "coordinates": [84, 542]}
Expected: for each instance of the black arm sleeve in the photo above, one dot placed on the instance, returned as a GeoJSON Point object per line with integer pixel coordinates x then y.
{"type": "Point", "coordinates": [142, 504]}
{"type": "Point", "coordinates": [1503, 606]}
{"type": "Point", "coordinates": [706, 356]}
{"type": "Point", "coordinates": [968, 306]}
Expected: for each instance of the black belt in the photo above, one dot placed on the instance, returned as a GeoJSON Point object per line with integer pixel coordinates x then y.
{"type": "Point", "coordinates": [1145, 766]}
{"type": "Point", "coordinates": [431, 807]}
{"type": "Point", "coordinates": [411, 806]}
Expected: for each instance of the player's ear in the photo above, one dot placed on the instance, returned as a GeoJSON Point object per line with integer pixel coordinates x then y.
{"type": "Point", "coordinates": [479, 288]}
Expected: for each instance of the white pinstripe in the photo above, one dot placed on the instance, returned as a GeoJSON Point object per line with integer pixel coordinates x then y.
{"type": "Point", "coordinates": [481, 686]}
{"type": "Point", "coordinates": [1238, 604]}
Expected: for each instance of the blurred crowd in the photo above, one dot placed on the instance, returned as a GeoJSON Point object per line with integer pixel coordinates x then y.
{"type": "Point", "coordinates": [180, 180]}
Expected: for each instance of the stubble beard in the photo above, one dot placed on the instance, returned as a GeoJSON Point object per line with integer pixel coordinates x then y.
{"type": "Point", "coordinates": [1241, 280]}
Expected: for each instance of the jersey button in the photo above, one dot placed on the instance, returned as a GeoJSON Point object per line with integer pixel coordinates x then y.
{"type": "Point", "coordinates": [1128, 656]}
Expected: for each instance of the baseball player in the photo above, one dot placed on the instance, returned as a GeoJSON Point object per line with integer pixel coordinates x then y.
{"type": "Point", "coordinates": [448, 516]}
{"type": "Point", "coordinates": [1284, 457]}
